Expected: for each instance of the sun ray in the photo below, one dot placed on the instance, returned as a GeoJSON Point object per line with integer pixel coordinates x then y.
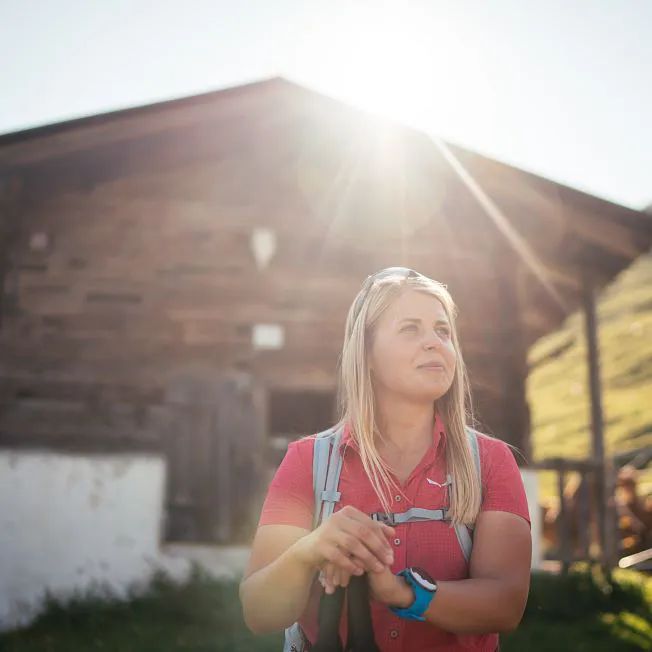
{"type": "Point", "coordinates": [502, 222]}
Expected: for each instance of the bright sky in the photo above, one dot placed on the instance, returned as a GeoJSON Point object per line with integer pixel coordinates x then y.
{"type": "Point", "coordinates": [561, 88]}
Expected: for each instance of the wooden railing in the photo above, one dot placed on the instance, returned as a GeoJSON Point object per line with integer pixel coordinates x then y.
{"type": "Point", "coordinates": [584, 529]}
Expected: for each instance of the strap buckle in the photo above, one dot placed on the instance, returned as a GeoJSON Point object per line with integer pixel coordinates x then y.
{"type": "Point", "coordinates": [386, 517]}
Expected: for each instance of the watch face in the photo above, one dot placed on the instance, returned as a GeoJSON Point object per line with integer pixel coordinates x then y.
{"type": "Point", "coordinates": [423, 578]}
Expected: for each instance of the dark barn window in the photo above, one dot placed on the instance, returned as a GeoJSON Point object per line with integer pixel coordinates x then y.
{"type": "Point", "coordinates": [294, 414]}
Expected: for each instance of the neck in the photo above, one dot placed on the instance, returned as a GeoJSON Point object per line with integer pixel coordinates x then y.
{"type": "Point", "coordinates": [405, 427]}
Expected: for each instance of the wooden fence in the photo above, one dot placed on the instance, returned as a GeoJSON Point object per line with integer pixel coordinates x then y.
{"type": "Point", "coordinates": [586, 525]}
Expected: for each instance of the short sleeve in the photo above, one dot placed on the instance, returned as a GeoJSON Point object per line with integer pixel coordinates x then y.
{"type": "Point", "coordinates": [503, 489]}
{"type": "Point", "coordinates": [290, 497]}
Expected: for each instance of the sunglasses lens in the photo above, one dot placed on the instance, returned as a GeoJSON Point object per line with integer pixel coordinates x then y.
{"type": "Point", "coordinates": [395, 271]}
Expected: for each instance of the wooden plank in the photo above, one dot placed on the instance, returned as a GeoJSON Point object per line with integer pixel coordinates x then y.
{"type": "Point", "coordinates": [11, 191]}
{"type": "Point", "coordinates": [563, 523]}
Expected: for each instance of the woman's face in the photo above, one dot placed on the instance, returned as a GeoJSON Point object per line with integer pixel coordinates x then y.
{"type": "Point", "coordinates": [412, 353]}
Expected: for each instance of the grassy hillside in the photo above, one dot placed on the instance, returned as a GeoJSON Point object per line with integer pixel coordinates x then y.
{"type": "Point", "coordinates": [558, 387]}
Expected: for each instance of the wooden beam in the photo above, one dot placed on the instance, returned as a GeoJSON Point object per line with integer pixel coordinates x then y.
{"type": "Point", "coordinates": [604, 497]}
{"type": "Point", "coordinates": [610, 236]}
{"type": "Point", "coordinates": [531, 200]}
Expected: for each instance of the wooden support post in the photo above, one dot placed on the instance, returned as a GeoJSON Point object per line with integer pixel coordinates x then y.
{"type": "Point", "coordinates": [565, 544]}
{"type": "Point", "coordinates": [605, 502]}
{"type": "Point", "coordinates": [583, 498]}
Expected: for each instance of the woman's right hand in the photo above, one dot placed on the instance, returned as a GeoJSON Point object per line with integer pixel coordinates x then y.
{"type": "Point", "coordinates": [351, 541]}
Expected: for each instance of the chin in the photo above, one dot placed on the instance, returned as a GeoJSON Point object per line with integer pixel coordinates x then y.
{"type": "Point", "coordinates": [435, 391]}
{"type": "Point", "coordinates": [429, 395]}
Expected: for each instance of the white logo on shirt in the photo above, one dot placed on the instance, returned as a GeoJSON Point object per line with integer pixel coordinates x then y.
{"type": "Point", "coordinates": [438, 484]}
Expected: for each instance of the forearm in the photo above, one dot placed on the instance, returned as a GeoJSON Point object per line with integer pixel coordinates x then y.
{"type": "Point", "coordinates": [275, 596]}
{"type": "Point", "coordinates": [470, 606]}
{"type": "Point", "coordinates": [475, 606]}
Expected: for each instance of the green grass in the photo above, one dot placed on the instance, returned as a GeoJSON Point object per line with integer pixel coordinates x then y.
{"type": "Point", "coordinates": [582, 611]}
{"type": "Point", "coordinates": [202, 615]}
{"type": "Point", "coordinates": [558, 388]}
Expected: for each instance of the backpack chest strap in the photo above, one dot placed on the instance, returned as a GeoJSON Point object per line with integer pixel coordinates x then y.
{"type": "Point", "coordinates": [410, 515]}
{"type": "Point", "coordinates": [415, 514]}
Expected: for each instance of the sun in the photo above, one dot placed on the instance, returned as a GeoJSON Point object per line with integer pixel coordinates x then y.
{"type": "Point", "coordinates": [397, 61]}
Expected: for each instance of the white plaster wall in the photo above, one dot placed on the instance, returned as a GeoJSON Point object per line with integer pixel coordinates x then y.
{"type": "Point", "coordinates": [531, 483]}
{"type": "Point", "coordinates": [74, 522]}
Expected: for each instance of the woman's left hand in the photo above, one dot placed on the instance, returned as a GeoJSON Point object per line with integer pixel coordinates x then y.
{"type": "Point", "coordinates": [389, 589]}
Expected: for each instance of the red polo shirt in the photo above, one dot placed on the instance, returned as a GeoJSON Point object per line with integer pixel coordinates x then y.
{"type": "Point", "coordinates": [432, 545]}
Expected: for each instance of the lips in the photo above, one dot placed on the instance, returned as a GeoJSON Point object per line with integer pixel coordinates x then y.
{"type": "Point", "coordinates": [431, 365]}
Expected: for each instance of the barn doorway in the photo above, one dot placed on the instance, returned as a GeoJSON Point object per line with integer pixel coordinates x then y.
{"type": "Point", "coordinates": [214, 444]}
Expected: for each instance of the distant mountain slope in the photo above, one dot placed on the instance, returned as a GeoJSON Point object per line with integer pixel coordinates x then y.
{"type": "Point", "coordinates": [558, 388]}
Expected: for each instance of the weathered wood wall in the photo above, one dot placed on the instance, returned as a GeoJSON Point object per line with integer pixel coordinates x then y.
{"type": "Point", "coordinates": [140, 277]}
{"type": "Point", "coordinates": [126, 248]}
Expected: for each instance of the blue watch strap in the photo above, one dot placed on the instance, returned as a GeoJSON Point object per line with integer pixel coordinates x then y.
{"type": "Point", "coordinates": [422, 599]}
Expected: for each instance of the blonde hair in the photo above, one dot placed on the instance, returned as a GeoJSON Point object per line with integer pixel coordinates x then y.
{"type": "Point", "coordinates": [356, 398]}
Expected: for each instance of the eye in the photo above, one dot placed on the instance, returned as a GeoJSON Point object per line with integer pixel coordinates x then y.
{"type": "Point", "coordinates": [444, 331]}
{"type": "Point", "coordinates": [409, 328]}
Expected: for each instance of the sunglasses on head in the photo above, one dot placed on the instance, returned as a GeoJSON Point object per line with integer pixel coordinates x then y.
{"type": "Point", "coordinates": [394, 271]}
{"type": "Point", "coordinates": [388, 272]}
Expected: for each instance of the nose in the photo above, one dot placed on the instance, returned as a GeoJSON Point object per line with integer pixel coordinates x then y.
{"type": "Point", "coordinates": [431, 341]}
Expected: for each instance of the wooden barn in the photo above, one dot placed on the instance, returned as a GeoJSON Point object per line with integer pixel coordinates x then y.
{"type": "Point", "coordinates": [176, 279]}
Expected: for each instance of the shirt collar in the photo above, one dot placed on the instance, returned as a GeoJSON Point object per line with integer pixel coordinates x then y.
{"type": "Point", "coordinates": [438, 437]}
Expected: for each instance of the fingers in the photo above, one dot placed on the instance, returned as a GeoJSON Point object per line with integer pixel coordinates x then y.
{"type": "Point", "coordinates": [351, 540]}
{"type": "Point", "coordinates": [362, 553]}
{"type": "Point", "coordinates": [327, 577]}
{"type": "Point", "coordinates": [367, 541]}
{"type": "Point", "coordinates": [333, 576]}
{"type": "Point", "coordinates": [380, 529]}
{"type": "Point", "coordinates": [339, 558]}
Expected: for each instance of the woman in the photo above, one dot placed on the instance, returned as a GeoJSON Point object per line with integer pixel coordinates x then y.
{"type": "Point", "coordinates": [404, 395]}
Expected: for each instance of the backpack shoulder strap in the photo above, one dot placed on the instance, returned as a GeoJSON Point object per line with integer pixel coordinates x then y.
{"type": "Point", "coordinates": [475, 450]}
{"type": "Point", "coordinates": [463, 531]}
{"type": "Point", "coordinates": [326, 469]}
{"type": "Point", "coordinates": [320, 455]}
{"type": "Point", "coordinates": [322, 479]}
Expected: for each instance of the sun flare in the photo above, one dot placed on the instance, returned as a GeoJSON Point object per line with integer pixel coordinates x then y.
{"type": "Point", "coordinates": [390, 61]}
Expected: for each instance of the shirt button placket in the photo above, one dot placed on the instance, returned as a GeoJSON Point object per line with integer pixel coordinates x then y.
{"type": "Point", "coordinates": [399, 552]}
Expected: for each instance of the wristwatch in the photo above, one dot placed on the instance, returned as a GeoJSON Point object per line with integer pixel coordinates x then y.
{"type": "Point", "coordinates": [424, 588]}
